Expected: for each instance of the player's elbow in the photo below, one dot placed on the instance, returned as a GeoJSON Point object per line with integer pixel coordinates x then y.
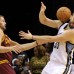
{"type": "Point", "coordinates": [42, 21]}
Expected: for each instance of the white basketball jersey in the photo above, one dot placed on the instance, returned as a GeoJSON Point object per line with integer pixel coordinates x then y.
{"type": "Point", "coordinates": [60, 53]}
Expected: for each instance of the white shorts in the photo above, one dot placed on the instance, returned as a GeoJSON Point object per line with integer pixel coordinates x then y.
{"type": "Point", "coordinates": [72, 69]}
{"type": "Point", "coordinates": [54, 68]}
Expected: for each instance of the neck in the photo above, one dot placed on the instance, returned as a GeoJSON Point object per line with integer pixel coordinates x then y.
{"type": "Point", "coordinates": [1, 29]}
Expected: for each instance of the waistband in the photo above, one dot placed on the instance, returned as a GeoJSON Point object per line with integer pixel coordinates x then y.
{"type": "Point", "coordinates": [4, 61]}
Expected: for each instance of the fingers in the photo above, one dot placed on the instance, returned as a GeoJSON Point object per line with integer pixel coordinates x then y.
{"type": "Point", "coordinates": [43, 7]}
{"type": "Point", "coordinates": [17, 49]}
{"type": "Point", "coordinates": [21, 35]}
{"type": "Point", "coordinates": [41, 3]}
{"type": "Point", "coordinates": [22, 38]}
{"type": "Point", "coordinates": [25, 35]}
{"type": "Point", "coordinates": [29, 32]}
{"type": "Point", "coordinates": [21, 32]}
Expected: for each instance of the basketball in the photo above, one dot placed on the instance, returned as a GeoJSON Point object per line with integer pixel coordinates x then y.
{"type": "Point", "coordinates": [63, 14]}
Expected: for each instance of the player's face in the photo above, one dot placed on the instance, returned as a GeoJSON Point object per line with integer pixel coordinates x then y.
{"type": "Point", "coordinates": [71, 23]}
{"type": "Point", "coordinates": [2, 23]}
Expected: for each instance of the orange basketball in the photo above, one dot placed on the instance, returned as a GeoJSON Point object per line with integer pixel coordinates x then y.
{"type": "Point", "coordinates": [63, 14]}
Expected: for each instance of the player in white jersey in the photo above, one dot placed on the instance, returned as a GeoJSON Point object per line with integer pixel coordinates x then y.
{"type": "Point", "coordinates": [60, 59]}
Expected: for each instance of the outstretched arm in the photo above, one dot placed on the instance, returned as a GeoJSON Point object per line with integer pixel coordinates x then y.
{"type": "Point", "coordinates": [46, 21]}
{"type": "Point", "coordinates": [66, 36]}
{"type": "Point", "coordinates": [28, 46]}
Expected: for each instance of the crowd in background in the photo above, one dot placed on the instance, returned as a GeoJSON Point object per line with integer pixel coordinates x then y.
{"type": "Point", "coordinates": [22, 64]}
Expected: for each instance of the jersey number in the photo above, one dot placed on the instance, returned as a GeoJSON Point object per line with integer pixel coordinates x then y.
{"type": "Point", "coordinates": [56, 45]}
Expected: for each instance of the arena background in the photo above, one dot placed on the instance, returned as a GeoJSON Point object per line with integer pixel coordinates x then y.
{"type": "Point", "coordinates": [23, 15]}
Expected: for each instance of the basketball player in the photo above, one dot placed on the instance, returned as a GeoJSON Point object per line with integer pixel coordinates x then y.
{"type": "Point", "coordinates": [60, 59]}
{"type": "Point", "coordinates": [6, 46]}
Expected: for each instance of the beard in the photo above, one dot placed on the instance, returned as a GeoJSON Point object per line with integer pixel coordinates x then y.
{"type": "Point", "coordinates": [71, 25]}
{"type": "Point", "coordinates": [3, 28]}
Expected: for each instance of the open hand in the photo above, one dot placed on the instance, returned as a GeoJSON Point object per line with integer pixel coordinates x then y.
{"type": "Point", "coordinates": [17, 48]}
{"type": "Point", "coordinates": [25, 35]}
{"type": "Point", "coordinates": [43, 7]}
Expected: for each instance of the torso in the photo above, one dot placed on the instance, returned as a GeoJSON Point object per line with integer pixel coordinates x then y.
{"type": "Point", "coordinates": [6, 42]}
{"type": "Point", "coordinates": [61, 50]}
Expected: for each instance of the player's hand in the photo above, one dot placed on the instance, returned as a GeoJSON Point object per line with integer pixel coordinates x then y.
{"type": "Point", "coordinates": [43, 7]}
{"type": "Point", "coordinates": [25, 35]}
{"type": "Point", "coordinates": [17, 48]}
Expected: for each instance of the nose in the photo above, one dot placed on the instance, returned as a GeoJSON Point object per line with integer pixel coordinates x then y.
{"type": "Point", "coordinates": [5, 23]}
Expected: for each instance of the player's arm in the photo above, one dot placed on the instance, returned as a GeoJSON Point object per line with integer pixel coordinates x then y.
{"type": "Point", "coordinates": [26, 46]}
{"type": "Point", "coordinates": [29, 46]}
{"type": "Point", "coordinates": [46, 21]}
{"type": "Point", "coordinates": [66, 36]}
